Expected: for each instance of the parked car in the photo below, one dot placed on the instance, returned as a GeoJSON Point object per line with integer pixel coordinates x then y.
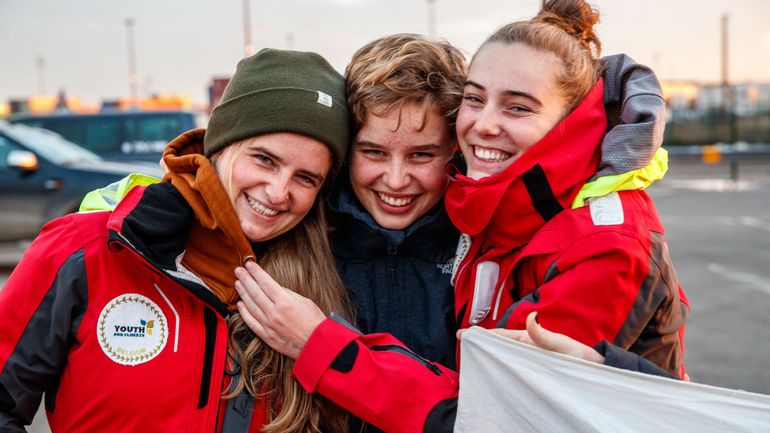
{"type": "Point", "coordinates": [43, 176]}
{"type": "Point", "coordinates": [118, 135]}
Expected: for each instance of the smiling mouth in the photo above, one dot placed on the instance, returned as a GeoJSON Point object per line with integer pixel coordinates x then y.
{"type": "Point", "coordinates": [396, 201]}
{"type": "Point", "coordinates": [260, 208]}
{"type": "Point", "coordinates": [490, 155]}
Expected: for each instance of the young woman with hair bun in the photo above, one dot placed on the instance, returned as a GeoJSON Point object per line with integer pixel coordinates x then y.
{"type": "Point", "coordinates": [554, 218]}
{"type": "Point", "coordinates": [551, 206]}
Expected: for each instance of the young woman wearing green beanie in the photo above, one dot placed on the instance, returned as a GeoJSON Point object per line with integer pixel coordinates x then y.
{"type": "Point", "coordinates": [125, 319]}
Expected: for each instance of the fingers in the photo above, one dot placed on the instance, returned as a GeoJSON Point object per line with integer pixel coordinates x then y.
{"type": "Point", "coordinates": [269, 286]}
{"type": "Point", "coordinates": [251, 293]}
{"type": "Point", "coordinates": [249, 303]}
{"type": "Point", "coordinates": [514, 334]}
{"type": "Point", "coordinates": [540, 336]}
{"type": "Point", "coordinates": [266, 334]}
{"type": "Point", "coordinates": [251, 322]}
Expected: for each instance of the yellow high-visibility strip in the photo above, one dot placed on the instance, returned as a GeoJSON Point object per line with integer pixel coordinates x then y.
{"type": "Point", "coordinates": [108, 197]}
{"type": "Point", "coordinates": [635, 179]}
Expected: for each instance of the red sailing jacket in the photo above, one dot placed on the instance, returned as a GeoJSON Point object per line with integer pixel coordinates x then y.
{"type": "Point", "coordinates": [116, 339]}
{"type": "Point", "coordinates": [598, 272]}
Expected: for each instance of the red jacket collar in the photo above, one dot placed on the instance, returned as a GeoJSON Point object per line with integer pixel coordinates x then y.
{"type": "Point", "coordinates": [510, 206]}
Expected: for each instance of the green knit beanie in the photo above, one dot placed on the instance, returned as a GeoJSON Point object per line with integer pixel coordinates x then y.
{"type": "Point", "coordinates": [282, 91]}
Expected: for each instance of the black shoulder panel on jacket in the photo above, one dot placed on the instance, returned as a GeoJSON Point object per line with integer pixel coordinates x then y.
{"type": "Point", "coordinates": [345, 360]}
{"type": "Point", "coordinates": [39, 357]}
{"type": "Point", "coordinates": [153, 225]}
{"type": "Point", "coordinates": [6, 401]}
{"type": "Point", "coordinates": [441, 418]}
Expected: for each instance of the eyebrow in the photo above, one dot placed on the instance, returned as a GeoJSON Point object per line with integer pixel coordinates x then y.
{"type": "Point", "coordinates": [278, 159]}
{"type": "Point", "coordinates": [507, 92]}
{"type": "Point", "coordinates": [418, 148]}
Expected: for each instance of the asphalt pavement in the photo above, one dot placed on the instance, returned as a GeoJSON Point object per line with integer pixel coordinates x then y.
{"type": "Point", "coordinates": [717, 220]}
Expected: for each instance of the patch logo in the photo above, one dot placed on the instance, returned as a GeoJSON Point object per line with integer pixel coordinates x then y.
{"type": "Point", "coordinates": [132, 329]}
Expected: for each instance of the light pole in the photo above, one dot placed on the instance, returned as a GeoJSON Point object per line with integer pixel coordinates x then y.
{"type": "Point", "coordinates": [248, 46]}
{"type": "Point", "coordinates": [133, 77]}
{"type": "Point", "coordinates": [40, 75]}
{"type": "Point", "coordinates": [728, 95]}
{"type": "Point", "coordinates": [432, 18]}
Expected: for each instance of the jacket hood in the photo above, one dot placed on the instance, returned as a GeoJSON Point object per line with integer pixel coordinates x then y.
{"type": "Point", "coordinates": [511, 205]}
{"type": "Point", "coordinates": [631, 152]}
{"type": "Point", "coordinates": [215, 244]}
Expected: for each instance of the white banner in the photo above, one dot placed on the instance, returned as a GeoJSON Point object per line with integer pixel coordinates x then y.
{"type": "Point", "coordinates": [506, 386]}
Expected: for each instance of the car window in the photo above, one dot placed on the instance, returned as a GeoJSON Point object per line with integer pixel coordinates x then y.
{"type": "Point", "coordinates": [150, 133]}
{"type": "Point", "coordinates": [49, 145]}
{"type": "Point", "coordinates": [153, 127]}
{"type": "Point", "coordinates": [102, 134]}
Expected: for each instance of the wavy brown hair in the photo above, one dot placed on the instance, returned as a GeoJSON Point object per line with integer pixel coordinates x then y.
{"type": "Point", "coordinates": [565, 29]}
{"type": "Point", "coordinates": [300, 259]}
{"type": "Point", "coordinates": [394, 70]}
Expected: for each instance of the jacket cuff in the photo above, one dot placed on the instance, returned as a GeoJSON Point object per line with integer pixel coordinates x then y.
{"type": "Point", "coordinates": [616, 357]}
{"type": "Point", "coordinates": [322, 348]}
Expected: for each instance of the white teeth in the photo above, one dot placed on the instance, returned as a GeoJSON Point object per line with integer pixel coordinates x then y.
{"type": "Point", "coordinates": [259, 208]}
{"type": "Point", "coordinates": [490, 155]}
{"type": "Point", "coordinates": [394, 201]}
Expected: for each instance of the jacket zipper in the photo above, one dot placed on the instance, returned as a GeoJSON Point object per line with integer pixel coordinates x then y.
{"type": "Point", "coordinates": [406, 352]}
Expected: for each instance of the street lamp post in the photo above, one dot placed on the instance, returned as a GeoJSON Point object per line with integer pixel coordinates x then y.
{"type": "Point", "coordinates": [728, 91]}
{"type": "Point", "coordinates": [432, 18]}
{"type": "Point", "coordinates": [40, 75]}
{"type": "Point", "coordinates": [133, 77]}
{"type": "Point", "coordinates": [248, 46]}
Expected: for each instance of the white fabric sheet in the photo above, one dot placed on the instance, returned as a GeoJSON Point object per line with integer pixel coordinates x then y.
{"type": "Point", "coordinates": [506, 386]}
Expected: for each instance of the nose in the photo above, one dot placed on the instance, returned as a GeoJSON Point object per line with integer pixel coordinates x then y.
{"type": "Point", "coordinates": [487, 122]}
{"type": "Point", "coordinates": [277, 191]}
{"type": "Point", "coordinates": [397, 175]}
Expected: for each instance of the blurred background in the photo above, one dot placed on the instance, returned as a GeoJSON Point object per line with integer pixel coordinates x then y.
{"type": "Point", "coordinates": [117, 80]}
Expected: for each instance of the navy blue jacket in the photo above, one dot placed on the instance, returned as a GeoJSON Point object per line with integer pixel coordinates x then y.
{"type": "Point", "coordinates": [399, 279]}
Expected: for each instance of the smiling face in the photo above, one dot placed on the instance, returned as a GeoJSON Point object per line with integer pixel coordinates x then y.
{"type": "Point", "coordinates": [397, 166]}
{"type": "Point", "coordinates": [273, 181]}
{"type": "Point", "coordinates": [510, 102]}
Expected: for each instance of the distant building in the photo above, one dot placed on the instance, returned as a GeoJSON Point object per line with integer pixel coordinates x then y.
{"type": "Point", "coordinates": [216, 89]}
{"type": "Point", "coordinates": [688, 99]}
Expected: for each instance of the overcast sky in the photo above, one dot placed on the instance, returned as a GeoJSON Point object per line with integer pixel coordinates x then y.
{"type": "Point", "coordinates": [182, 44]}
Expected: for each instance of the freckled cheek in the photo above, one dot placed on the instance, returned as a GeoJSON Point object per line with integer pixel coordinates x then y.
{"type": "Point", "coordinates": [363, 174]}
{"type": "Point", "coordinates": [432, 177]}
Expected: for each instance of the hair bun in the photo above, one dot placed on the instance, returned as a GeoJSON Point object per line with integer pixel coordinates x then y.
{"type": "Point", "coordinates": [576, 17]}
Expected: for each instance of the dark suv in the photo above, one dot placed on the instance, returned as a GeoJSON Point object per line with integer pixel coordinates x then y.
{"type": "Point", "coordinates": [118, 135]}
{"type": "Point", "coordinates": [43, 176]}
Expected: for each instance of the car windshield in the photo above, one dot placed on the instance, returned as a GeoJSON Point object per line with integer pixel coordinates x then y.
{"type": "Point", "coordinates": [50, 145]}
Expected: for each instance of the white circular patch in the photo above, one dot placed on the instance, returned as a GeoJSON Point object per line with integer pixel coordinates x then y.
{"type": "Point", "coordinates": [132, 329]}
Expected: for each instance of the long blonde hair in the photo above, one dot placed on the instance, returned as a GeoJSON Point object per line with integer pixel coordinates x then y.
{"type": "Point", "coordinates": [300, 259]}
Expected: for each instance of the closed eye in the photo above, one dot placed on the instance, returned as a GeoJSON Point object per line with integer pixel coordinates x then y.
{"type": "Point", "coordinates": [263, 159]}
{"type": "Point", "coordinates": [422, 155]}
{"type": "Point", "coordinates": [308, 180]}
{"type": "Point", "coordinates": [472, 99]}
{"type": "Point", "coordinates": [373, 152]}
